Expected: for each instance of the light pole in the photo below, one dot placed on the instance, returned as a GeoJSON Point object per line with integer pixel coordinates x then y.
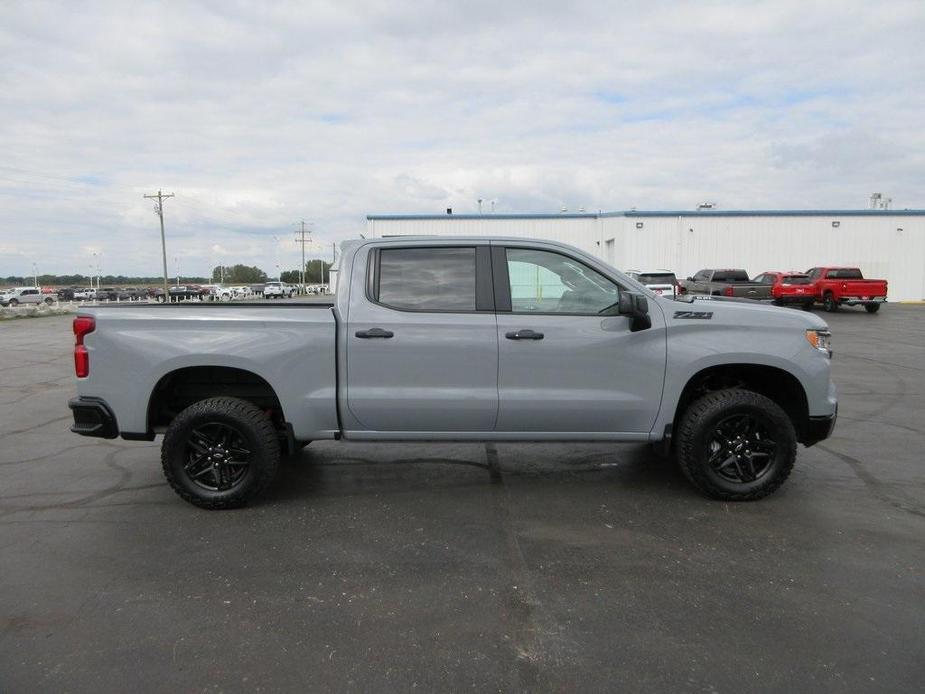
{"type": "Point", "coordinates": [35, 276]}
{"type": "Point", "coordinates": [176, 261]}
{"type": "Point", "coordinates": [279, 272]}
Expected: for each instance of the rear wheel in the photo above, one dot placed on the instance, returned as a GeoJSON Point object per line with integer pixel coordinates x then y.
{"type": "Point", "coordinates": [736, 445]}
{"type": "Point", "coordinates": [829, 303]}
{"type": "Point", "coordinates": [48, 300]}
{"type": "Point", "coordinates": [220, 453]}
{"type": "Point", "coordinates": [872, 308]}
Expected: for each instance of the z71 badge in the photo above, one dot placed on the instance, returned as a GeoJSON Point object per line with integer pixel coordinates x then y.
{"type": "Point", "coordinates": [705, 315]}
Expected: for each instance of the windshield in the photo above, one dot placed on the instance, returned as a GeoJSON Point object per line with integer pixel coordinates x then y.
{"type": "Point", "coordinates": [796, 279]}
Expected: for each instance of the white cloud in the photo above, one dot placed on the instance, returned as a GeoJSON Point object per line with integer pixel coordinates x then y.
{"type": "Point", "coordinates": [258, 117]}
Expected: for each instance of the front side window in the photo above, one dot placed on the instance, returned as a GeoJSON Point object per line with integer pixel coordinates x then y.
{"type": "Point", "coordinates": [547, 282]}
{"type": "Point", "coordinates": [427, 279]}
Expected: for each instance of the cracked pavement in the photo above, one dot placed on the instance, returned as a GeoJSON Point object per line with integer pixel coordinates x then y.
{"type": "Point", "coordinates": [446, 567]}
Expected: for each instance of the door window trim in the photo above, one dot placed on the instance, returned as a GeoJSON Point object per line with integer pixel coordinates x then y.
{"type": "Point", "coordinates": [484, 297]}
{"type": "Point", "coordinates": [502, 282]}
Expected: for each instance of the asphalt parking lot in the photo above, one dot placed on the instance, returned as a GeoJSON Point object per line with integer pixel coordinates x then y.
{"type": "Point", "coordinates": [465, 567]}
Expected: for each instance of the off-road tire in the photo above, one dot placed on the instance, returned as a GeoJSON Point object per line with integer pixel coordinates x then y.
{"type": "Point", "coordinates": [871, 308]}
{"type": "Point", "coordinates": [255, 428]}
{"type": "Point", "coordinates": [829, 303]}
{"type": "Point", "coordinates": [697, 426]}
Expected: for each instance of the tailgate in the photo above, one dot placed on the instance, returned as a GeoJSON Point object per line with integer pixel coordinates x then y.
{"type": "Point", "coordinates": [863, 288]}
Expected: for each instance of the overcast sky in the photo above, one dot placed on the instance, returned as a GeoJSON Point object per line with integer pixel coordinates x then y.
{"type": "Point", "coordinates": [258, 115]}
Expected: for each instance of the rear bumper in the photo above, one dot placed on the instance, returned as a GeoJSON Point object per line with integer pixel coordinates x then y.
{"type": "Point", "coordinates": [92, 417]}
{"type": "Point", "coordinates": [819, 428]}
{"type": "Point", "coordinates": [794, 299]}
{"type": "Point", "coordinates": [855, 301]}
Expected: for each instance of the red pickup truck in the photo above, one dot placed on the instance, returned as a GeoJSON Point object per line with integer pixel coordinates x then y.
{"type": "Point", "coordinates": [846, 286]}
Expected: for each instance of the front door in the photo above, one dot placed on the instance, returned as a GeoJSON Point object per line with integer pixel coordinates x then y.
{"type": "Point", "coordinates": [422, 347]}
{"type": "Point", "coordinates": [565, 364]}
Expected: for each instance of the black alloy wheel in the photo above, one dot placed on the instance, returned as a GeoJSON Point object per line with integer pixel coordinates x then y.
{"type": "Point", "coordinates": [741, 449]}
{"type": "Point", "coordinates": [829, 303]}
{"type": "Point", "coordinates": [220, 453]}
{"type": "Point", "coordinates": [735, 444]}
{"type": "Point", "coordinates": [217, 457]}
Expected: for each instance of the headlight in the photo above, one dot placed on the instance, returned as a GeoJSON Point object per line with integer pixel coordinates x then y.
{"type": "Point", "coordinates": [821, 340]}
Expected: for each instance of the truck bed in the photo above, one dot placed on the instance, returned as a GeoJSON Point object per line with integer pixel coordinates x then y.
{"type": "Point", "coordinates": [291, 346]}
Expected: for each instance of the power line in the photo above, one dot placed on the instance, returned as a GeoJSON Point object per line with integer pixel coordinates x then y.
{"type": "Point", "coordinates": [159, 210]}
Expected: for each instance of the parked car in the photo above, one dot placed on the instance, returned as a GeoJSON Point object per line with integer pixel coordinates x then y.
{"type": "Point", "coordinates": [217, 292]}
{"type": "Point", "coordinates": [131, 294]}
{"type": "Point", "coordinates": [106, 294]}
{"type": "Point", "coordinates": [278, 290]}
{"type": "Point", "coordinates": [24, 295]}
{"type": "Point", "coordinates": [242, 292]}
{"type": "Point", "coordinates": [846, 286]}
{"type": "Point", "coordinates": [504, 340]}
{"type": "Point", "coordinates": [662, 282]}
{"type": "Point", "coordinates": [186, 292]}
{"type": "Point", "coordinates": [722, 282]}
{"type": "Point", "coordinates": [84, 294]}
{"type": "Point", "coordinates": [66, 293]}
{"type": "Point", "coordinates": [785, 288]}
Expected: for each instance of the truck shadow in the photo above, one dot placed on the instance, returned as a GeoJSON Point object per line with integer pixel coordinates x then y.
{"type": "Point", "coordinates": [344, 469]}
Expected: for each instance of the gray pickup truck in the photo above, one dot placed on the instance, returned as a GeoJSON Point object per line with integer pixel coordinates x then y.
{"type": "Point", "coordinates": [458, 339]}
{"type": "Point", "coordinates": [725, 282]}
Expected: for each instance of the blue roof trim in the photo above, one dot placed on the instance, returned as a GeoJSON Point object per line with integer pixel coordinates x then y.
{"type": "Point", "coordinates": [562, 215]}
{"type": "Point", "coordinates": [768, 213]}
{"type": "Point", "coordinates": [657, 213]}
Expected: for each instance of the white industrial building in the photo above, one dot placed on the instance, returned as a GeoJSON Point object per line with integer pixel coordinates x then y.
{"type": "Point", "coordinates": [887, 244]}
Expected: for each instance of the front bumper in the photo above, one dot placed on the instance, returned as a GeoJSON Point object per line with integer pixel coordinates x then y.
{"type": "Point", "coordinates": [819, 428]}
{"type": "Point", "coordinates": [92, 417]}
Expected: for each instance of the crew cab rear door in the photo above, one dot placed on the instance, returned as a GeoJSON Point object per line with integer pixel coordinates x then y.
{"type": "Point", "coordinates": [564, 366]}
{"type": "Point", "coordinates": [422, 343]}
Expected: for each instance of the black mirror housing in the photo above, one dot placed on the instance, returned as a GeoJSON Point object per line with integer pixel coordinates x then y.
{"type": "Point", "coordinates": [636, 306]}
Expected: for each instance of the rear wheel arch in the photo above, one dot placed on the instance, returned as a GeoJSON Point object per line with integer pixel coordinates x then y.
{"type": "Point", "coordinates": [773, 382]}
{"type": "Point", "coordinates": [178, 389]}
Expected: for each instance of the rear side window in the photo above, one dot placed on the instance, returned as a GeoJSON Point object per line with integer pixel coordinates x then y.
{"type": "Point", "coordinates": [427, 279]}
{"type": "Point", "coordinates": [846, 274]}
{"type": "Point", "coordinates": [730, 276]}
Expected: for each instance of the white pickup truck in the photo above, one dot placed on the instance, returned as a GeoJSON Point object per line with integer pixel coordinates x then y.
{"type": "Point", "coordinates": [458, 339]}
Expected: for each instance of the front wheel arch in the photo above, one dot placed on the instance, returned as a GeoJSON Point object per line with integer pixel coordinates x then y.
{"type": "Point", "coordinates": [773, 382]}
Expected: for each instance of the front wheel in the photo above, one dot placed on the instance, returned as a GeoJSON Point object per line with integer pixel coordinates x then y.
{"type": "Point", "coordinates": [829, 303]}
{"type": "Point", "coordinates": [736, 445]}
{"type": "Point", "coordinates": [871, 308]}
{"type": "Point", "coordinates": [14, 302]}
{"type": "Point", "coordinates": [220, 453]}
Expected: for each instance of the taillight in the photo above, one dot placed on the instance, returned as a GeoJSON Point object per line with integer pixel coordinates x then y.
{"type": "Point", "coordinates": [82, 326]}
{"type": "Point", "coordinates": [728, 291]}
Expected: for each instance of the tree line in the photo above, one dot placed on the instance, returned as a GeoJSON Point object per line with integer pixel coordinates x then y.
{"type": "Point", "coordinates": [316, 272]}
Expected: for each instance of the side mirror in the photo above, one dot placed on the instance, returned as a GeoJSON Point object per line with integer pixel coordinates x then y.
{"type": "Point", "coordinates": [636, 307]}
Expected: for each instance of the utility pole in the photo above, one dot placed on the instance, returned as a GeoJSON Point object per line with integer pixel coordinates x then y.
{"type": "Point", "coordinates": [159, 210]}
{"type": "Point", "coordinates": [301, 239]}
